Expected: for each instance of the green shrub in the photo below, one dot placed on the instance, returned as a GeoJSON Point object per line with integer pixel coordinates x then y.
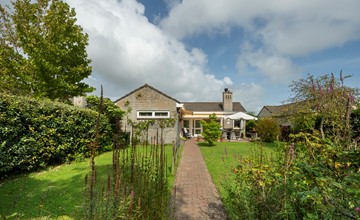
{"type": "Point", "coordinates": [211, 130]}
{"type": "Point", "coordinates": [355, 123]}
{"type": "Point", "coordinates": [34, 134]}
{"type": "Point", "coordinates": [250, 125]}
{"type": "Point", "coordinates": [312, 178]}
{"type": "Point", "coordinates": [268, 129]}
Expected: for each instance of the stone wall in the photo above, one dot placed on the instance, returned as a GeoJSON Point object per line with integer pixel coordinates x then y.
{"type": "Point", "coordinates": [147, 99]}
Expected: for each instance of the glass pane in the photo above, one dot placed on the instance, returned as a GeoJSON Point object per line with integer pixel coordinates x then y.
{"type": "Point", "coordinates": [186, 124]}
{"type": "Point", "coordinates": [145, 114]}
{"type": "Point", "coordinates": [197, 124]}
{"type": "Point", "coordinates": [161, 114]}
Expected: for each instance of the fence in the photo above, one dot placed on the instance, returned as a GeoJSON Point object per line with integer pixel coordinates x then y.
{"type": "Point", "coordinates": [175, 151]}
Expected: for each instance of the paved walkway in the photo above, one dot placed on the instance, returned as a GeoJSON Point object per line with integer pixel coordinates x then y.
{"type": "Point", "coordinates": [195, 193]}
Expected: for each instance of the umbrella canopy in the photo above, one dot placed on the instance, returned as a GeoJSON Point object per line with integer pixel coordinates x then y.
{"type": "Point", "coordinates": [241, 115]}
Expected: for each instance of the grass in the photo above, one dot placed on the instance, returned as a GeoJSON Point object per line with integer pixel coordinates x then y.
{"type": "Point", "coordinates": [57, 192]}
{"type": "Point", "coordinates": [223, 158]}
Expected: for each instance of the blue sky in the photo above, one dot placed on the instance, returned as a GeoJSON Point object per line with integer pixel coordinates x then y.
{"type": "Point", "coordinates": [192, 50]}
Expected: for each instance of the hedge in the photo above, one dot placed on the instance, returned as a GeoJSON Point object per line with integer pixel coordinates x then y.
{"type": "Point", "coordinates": [35, 134]}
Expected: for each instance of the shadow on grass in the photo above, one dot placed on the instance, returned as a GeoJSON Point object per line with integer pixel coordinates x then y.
{"type": "Point", "coordinates": [205, 144]}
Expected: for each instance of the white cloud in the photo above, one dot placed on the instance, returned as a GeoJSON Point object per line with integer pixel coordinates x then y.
{"type": "Point", "coordinates": [292, 27]}
{"type": "Point", "coordinates": [250, 96]}
{"type": "Point", "coordinates": [228, 81]}
{"type": "Point", "coordinates": [278, 68]}
{"type": "Point", "coordinates": [282, 29]}
{"type": "Point", "coordinates": [128, 51]}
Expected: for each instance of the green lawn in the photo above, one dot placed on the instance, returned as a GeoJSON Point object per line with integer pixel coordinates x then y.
{"type": "Point", "coordinates": [223, 158]}
{"type": "Point", "coordinates": [56, 192]}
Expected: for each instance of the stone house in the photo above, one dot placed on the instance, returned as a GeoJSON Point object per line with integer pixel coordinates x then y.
{"type": "Point", "coordinates": [147, 103]}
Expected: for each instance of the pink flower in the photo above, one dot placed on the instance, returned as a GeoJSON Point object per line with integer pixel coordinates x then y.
{"type": "Point", "coordinates": [357, 209]}
{"type": "Point", "coordinates": [319, 87]}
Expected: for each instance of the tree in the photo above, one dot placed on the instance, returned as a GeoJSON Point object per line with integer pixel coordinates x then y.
{"type": "Point", "coordinates": [328, 100]}
{"type": "Point", "coordinates": [211, 129]}
{"type": "Point", "coordinates": [268, 129]}
{"type": "Point", "coordinates": [42, 50]}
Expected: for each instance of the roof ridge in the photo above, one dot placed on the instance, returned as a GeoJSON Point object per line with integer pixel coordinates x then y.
{"type": "Point", "coordinates": [148, 86]}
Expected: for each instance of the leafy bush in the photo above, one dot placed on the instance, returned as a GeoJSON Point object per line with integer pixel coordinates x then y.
{"type": "Point", "coordinates": [312, 179]}
{"type": "Point", "coordinates": [35, 134]}
{"type": "Point", "coordinates": [355, 124]}
{"type": "Point", "coordinates": [250, 125]}
{"type": "Point", "coordinates": [318, 176]}
{"type": "Point", "coordinates": [268, 129]}
{"type": "Point", "coordinates": [211, 129]}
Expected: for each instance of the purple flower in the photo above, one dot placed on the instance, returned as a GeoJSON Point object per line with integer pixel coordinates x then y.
{"type": "Point", "coordinates": [352, 98]}
{"type": "Point", "coordinates": [320, 90]}
{"type": "Point", "coordinates": [331, 88]}
{"type": "Point", "coordinates": [357, 209]}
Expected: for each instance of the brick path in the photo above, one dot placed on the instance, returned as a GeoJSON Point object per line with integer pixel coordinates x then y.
{"type": "Point", "coordinates": [195, 193]}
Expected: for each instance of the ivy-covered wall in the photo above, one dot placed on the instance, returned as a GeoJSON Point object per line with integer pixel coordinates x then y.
{"type": "Point", "coordinates": [35, 134]}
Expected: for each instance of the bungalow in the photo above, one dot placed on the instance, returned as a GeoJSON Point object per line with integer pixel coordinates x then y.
{"type": "Point", "coordinates": [146, 103]}
{"type": "Point", "coordinates": [193, 112]}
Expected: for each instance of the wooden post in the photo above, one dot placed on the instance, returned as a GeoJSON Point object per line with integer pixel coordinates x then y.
{"type": "Point", "coordinates": [173, 159]}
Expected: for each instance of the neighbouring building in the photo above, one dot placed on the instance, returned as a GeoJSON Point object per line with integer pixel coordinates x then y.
{"type": "Point", "coordinates": [146, 103]}
{"type": "Point", "coordinates": [282, 113]}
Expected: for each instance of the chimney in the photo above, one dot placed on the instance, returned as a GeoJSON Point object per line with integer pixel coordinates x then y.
{"type": "Point", "coordinates": [227, 100]}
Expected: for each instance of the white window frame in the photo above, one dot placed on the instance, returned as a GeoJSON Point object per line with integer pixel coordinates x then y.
{"type": "Point", "coordinates": [153, 114]}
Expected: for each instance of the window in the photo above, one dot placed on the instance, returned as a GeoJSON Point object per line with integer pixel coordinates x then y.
{"type": "Point", "coordinates": [153, 114]}
{"type": "Point", "coordinates": [161, 114]}
{"type": "Point", "coordinates": [186, 124]}
{"type": "Point", "coordinates": [237, 124]}
{"type": "Point", "coordinates": [145, 114]}
{"type": "Point", "coordinates": [197, 127]}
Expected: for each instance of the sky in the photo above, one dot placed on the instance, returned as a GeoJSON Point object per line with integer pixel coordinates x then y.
{"type": "Point", "coordinates": [193, 49]}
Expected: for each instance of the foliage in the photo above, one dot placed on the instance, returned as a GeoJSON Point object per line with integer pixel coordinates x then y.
{"type": "Point", "coordinates": [111, 111]}
{"type": "Point", "coordinates": [35, 133]}
{"type": "Point", "coordinates": [211, 129]}
{"type": "Point", "coordinates": [327, 98]}
{"type": "Point", "coordinates": [299, 182]}
{"type": "Point", "coordinates": [42, 50]}
{"type": "Point", "coordinates": [138, 188]}
{"type": "Point", "coordinates": [317, 176]}
{"type": "Point", "coordinates": [250, 125]}
{"type": "Point", "coordinates": [303, 122]}
{"type": "Point", "coordinates": [109, 108]}
{"type": "Point", "coordinates": [268, 129]}
{"type": "Point", "coordinates": [355, 124]}
{"type": "Point", "coordinates": [58, 192]}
